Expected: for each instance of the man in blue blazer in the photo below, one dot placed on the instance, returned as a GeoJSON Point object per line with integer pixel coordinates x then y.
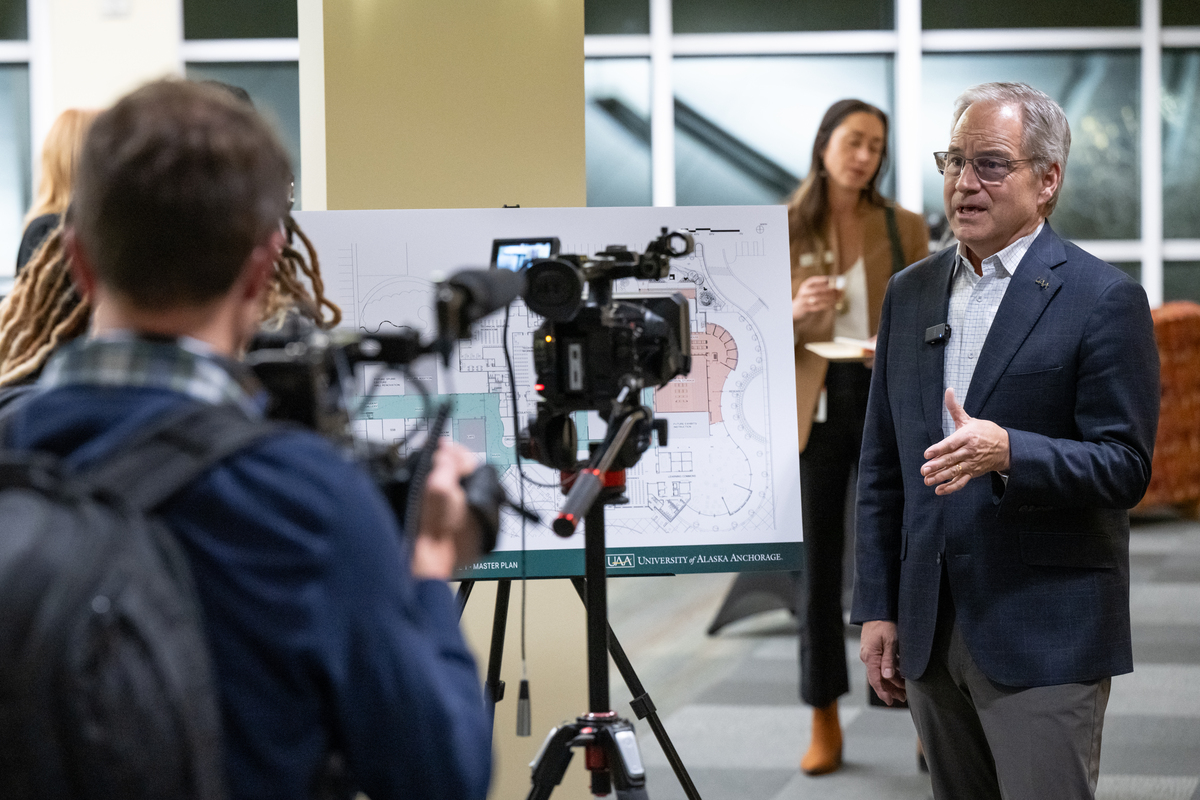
{"type": "Point", "coordinates": [1012, 415]}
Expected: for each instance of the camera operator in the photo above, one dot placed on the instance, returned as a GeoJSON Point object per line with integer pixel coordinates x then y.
{"type": "Point", "coordinates": [330, 643]}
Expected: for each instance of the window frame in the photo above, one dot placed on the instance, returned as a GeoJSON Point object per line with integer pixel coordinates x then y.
{"type": "Point", "coordinates": [908, 44]}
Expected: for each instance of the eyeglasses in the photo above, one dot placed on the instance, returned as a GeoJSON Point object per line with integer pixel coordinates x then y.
{"type": "Point", "coordinates": [988, 169]}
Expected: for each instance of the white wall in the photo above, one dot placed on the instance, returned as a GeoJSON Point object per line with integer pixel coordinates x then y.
{"type": "Point", "coordinates": [87, 53]}
{"type": "Point", "coordinates": [311, 23]}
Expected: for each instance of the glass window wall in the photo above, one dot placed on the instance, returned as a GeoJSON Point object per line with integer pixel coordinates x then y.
{"type": "Point", "coordinates": [744, 126]}
{"type": "Point", "coordinates": [617, 130]}
{"type": "Point", "coordinates": [748, 16]}
{"type": "Point", "coordinates": [239, 19]}
{"type": "Point", "coordinates": [952, 14]}
{"type": "Point", "coordinates": [616, 16]}
{"type": "Point", "coordinates": [1181, 281]}
{"type": "Point", "coordinates": [14, 20]}
{"type": "Point", "coordinates": [1181, 144]}
{"type": "Point", "coordinates": [275, 89]}
{"type": "Point", "coordinates": [1100, 93]}
{"type": "Point", "coordinates": [16, 174]}
{"type": "Point", "coordinates": [1180, 12]}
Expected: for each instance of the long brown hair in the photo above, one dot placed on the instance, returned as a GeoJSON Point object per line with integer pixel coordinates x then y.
{"type": "Point", "coordinates": [60, 156]}
{"type": "Point", "coordinates": [808, 207]}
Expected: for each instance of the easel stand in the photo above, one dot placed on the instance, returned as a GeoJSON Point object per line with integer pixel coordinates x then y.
{"type": "Point", "coordinates": [609, 742]}
{"type": "Point", "coordinates": [492, 683]}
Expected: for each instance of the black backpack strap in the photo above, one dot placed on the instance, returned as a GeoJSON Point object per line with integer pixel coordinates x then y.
{"type": "Point", "coordinates": [889, 212]}
{"type": "Point", "coordinates": [174, 452]}
{"type": "Point", "coordinates": [12, 398]}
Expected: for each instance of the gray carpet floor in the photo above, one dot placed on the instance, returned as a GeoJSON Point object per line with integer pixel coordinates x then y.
{"type": "Point", "coordinates": [731, 708]}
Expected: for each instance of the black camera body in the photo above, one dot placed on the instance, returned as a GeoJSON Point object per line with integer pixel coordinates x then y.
{"type": "Point", "coordinates": [304, 368]}
{"type": "Point", "coordinates": [307, 372]}
{"type": "Point", "coordinates": [584, 363]}
{"type": "Point", "coordinates": [597, 353]}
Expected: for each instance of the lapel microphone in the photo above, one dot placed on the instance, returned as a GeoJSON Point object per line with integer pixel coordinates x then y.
{"type": "Point", "coordinates": [937, 334]}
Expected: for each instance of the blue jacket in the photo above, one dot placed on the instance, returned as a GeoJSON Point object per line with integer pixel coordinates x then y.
{"type": "Point", "coordinates": [1039, 568]}
{"type": "Point", "coordinates": [320, 637]}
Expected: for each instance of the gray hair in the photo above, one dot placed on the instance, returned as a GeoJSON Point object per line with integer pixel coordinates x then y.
{"type": "Point", "coordinates": [1046, 136]}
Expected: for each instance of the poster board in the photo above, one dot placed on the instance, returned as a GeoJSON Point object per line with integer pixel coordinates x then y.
{"type": "Point", "coordinates": [722, 496]}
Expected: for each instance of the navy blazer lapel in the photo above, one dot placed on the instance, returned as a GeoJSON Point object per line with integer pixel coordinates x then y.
{"type": "Point", "coordinates": [1033, 285]}
{"type": "Point", "coordinates": [931, 361]}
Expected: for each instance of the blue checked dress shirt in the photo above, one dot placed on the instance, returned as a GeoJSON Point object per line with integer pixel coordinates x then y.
{"type": "Point", "coordinates": [974, 300]}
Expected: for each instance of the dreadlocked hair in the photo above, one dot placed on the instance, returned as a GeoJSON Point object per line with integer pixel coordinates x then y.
{"type": "Point", "coordinates": [297, 285]}
{"type": "Point", "coordinates": [45, 311]}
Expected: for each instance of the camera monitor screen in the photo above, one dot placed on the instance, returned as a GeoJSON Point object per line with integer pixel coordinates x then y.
{"type": "Point", "coordinates": [516, 253]}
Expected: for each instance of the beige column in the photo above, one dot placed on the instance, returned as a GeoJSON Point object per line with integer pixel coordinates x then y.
{"type": "Point", "coordinates": [454, 104]}
{"type": "Point", "coordinates": [415, 104]}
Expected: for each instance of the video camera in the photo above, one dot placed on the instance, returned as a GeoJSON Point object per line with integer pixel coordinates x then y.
{"type": "Point", "coordinates": [593, 351]}
{"type": "Point", "coordinates": [597, 352]}
{"type": "Point", "coordinates": [310, 376]}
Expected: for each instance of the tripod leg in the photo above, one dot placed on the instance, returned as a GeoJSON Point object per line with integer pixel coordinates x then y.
{"type": "Point", "coordinates": [552, 761]}
{"type": "Point", "coordinates": [642, 705]}
{"type": "Point", "coordinates": [464, 594]}
{"type": "Point", "coordinates": [632, 794]}
{"type": "Point", "coordinates": [495, 686]}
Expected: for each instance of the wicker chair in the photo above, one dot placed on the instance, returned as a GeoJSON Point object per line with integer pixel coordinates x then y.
{"type": "Point", "coordinates": [1175, 479]}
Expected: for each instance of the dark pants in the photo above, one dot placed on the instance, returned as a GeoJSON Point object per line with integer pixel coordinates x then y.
{"type": "Point", "coordinates": [986, 741]}
{"type": "Point", "coordinates": [826, 465]}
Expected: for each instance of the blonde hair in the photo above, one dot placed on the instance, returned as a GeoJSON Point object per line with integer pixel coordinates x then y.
{"type": "Point", "coordinates": [60, 157]}
{"type": "Point", "coordinates": [44, 309]}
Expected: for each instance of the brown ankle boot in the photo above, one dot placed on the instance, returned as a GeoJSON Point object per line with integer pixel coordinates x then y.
{"type": "Point", "coordinates": [825, 751]}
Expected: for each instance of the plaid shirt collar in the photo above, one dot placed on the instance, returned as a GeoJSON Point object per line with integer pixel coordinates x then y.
{"type": "Point", "coordinates": [187, 366]}
{"type": "Point", "coordinates": [1002, 264]}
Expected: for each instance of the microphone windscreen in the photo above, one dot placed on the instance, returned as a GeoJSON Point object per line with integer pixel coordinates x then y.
{"type": "Point", "coordinates": [488, 290]}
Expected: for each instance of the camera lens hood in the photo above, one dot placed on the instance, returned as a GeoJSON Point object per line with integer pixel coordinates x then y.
{"type": "Point", "coordinates": [554, 289]}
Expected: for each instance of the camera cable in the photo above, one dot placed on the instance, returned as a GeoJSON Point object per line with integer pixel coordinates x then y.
{"type": "Point", "coordinates": [524, 710]}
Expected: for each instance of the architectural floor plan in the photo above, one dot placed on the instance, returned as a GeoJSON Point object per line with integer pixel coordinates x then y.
{"type": "Point", "coordinates": [723, 494]}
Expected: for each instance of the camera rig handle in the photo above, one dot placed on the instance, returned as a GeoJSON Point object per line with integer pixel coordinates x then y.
{"type": "Point", "coordinates": [591, 480]}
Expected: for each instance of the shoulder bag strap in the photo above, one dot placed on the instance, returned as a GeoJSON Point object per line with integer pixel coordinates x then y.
{"type": "Point", "coordinates": [889, 212]}
{"type": "Point", "coordinates": [174, 452]}
{"type": "Point", "coordinates": [11, 400]}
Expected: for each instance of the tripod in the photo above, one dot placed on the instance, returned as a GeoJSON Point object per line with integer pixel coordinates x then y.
{"type": "Point", "coordinates": [609, 742]}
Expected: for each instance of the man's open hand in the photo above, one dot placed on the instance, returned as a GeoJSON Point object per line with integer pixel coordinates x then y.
{"type": "Point", "coordinates": [976, 448]}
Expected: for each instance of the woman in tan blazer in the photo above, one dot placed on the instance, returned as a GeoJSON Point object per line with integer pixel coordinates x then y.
{"type": "Point", "coordinates": [846, 241]}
